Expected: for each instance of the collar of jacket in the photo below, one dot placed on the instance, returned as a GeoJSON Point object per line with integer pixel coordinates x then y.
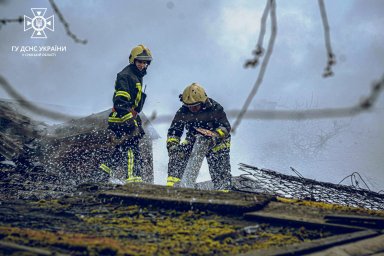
{"type": "Point", "coordinates": [207, 104]}
{"type": "Point", "coordinates": [137, 71]}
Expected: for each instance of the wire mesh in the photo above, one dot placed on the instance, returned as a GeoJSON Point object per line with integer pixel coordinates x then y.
{"type": "Point", "coordinates": [267, 181]}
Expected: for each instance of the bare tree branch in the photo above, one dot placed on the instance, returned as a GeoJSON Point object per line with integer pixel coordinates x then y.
{"type": "Point", "coordinates": [331, 57]}
{"type": "Point", "coordinates": [263, 65]}
{"type": "Point", "coordinates": [316, 141]}
{"type": "Point", "coordinates": [325, 113]}
{"type": "Point", "coordinates": [32, 107]}
{"type": "Point", "coordinates": [5, 21]}
{"type": "Point", "coordinates": [258, 52]}
{"type": "Point", "coordinates": [65, 23]}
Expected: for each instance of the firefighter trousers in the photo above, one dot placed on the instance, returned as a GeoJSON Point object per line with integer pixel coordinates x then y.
{"type": "Point", "coordinates": [127, 156]}
{"type": "Point", "coordinates": [218, 163]}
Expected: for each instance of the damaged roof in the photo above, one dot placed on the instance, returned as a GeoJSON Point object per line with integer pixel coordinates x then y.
{"type": "Point", "coordinates": [53, 201]}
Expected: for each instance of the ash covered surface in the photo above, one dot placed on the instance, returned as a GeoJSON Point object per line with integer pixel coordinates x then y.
{"type": "Point", "coordinates": [88, 223]}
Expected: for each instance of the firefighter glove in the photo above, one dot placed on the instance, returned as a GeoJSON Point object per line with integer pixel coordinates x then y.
{"type": "Point", "coordinates": [172, 144]}
{"type": "Point", "coordinates": [215, 140]}
{"type": "Point", "coordinates": [222, 132]}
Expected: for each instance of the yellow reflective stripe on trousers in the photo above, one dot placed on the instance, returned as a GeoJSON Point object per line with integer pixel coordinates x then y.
{"type": "Point", "coordinates": [105, 168]}
{"type": "Point", "coordinates": [124, 118]}
{"type": "Point", "coordinates": [130, 164]}
{"type": "Point", "coordinates": [138, 96]}
{"type": "Point", "coordinates": [123, 94]}
{"type": "Point", "coordinates": [171, 181]}
{"type": "Point", "coordinates": [135, 179]}
{"type": "Point", "coordinates": [173, 139]}
{"type": "Point", "coordinates": [221, 146]}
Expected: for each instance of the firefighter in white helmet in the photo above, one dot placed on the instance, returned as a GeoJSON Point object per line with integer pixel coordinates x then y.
{"type": "Point", "coordinates": [124, 119]}
{"type": "Point", "coordinates": [199, 111]}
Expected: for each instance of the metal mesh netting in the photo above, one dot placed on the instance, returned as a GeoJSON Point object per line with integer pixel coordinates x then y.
{"type": "Point", "coordinates": [271, 182]}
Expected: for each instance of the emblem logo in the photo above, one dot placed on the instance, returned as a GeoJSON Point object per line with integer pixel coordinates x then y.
{"type": "Point", "coordinates": [39, 23]}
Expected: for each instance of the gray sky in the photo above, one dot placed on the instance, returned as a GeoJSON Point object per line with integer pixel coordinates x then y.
{"type": "Point", "coordinates": [208, 42]}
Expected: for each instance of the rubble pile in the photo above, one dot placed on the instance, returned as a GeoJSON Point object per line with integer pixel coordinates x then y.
{"type": "Point", "coordinates": [44, 161]}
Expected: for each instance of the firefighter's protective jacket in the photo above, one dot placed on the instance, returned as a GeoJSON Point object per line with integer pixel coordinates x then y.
{"type": "Point", "coordinates": [211, 117]}
{"type": "Point", "coordinates": [128, 98]}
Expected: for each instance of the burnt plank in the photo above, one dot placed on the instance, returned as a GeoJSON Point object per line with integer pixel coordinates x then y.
{"type": "Point", "coordinates": [185, 198]}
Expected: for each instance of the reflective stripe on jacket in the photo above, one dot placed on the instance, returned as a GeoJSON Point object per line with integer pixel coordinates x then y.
{"type": "Point", "coordinates": [211, 117]}
{"type": "Point", "coordinates": [128, 96]}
